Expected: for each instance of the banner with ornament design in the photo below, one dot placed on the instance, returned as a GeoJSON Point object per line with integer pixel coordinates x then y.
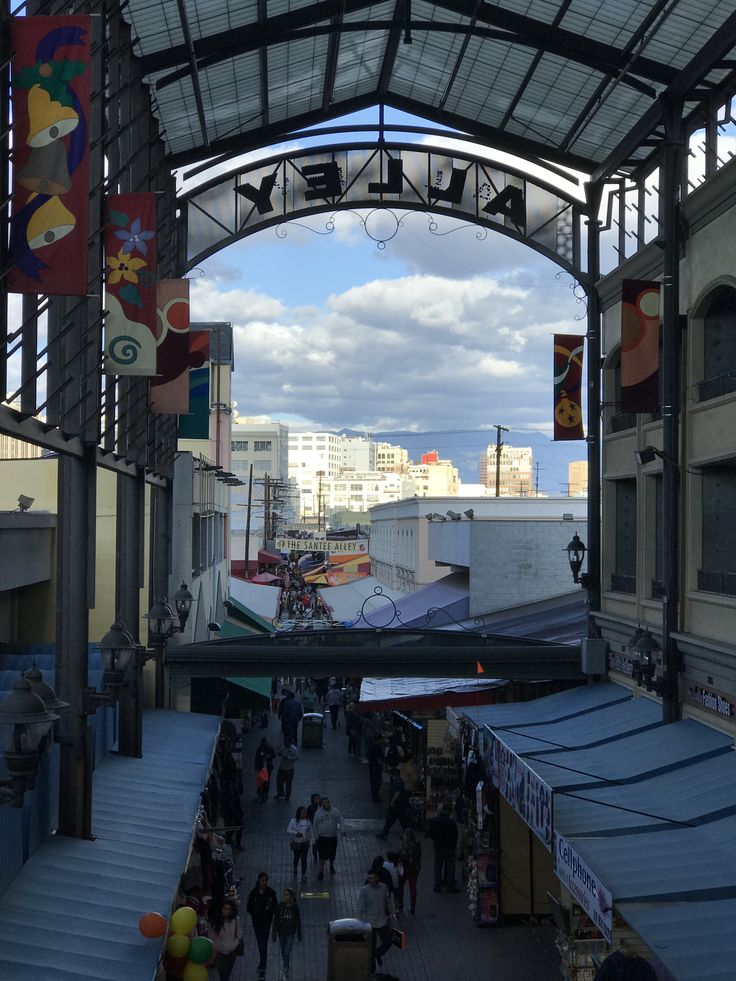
{"type": "Point", "coordinates": [568, 380]}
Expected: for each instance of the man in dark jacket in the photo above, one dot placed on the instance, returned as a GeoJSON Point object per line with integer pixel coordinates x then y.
{"type": "Point", "coordinates": [375, 765]}
{"type": "Point", "coordinates": [291, 713]}
{"type": "Point", "coordinates": [262, 905]}
{"type": "Point", "coordinates": [398, 804]}
{"type": "Point", "coordinates": [443, 832]}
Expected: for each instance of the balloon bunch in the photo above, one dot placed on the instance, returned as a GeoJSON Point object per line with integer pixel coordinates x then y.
{"type": "Point", "coordinates": [186, 957]}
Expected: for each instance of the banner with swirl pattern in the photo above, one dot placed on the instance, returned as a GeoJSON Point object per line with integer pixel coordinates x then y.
{"type": "Point", "coordinates": [51, 96]}
{"type": "Point", "coordinates": [130, 284]}
{"type": "Point", "coordinates": [568, 378]}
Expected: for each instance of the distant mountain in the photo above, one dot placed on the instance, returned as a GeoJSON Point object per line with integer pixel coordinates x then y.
{"type": "Point", "coordinates": [464, 448]}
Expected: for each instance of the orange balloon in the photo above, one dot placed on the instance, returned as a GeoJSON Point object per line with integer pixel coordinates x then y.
{"type": "Point", "coordinates": [152, 925]}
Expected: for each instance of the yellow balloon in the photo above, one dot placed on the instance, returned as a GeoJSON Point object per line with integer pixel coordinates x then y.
{"type": "Point", "coordinates": [178, 945]}
{"type": "Point", "coordinates": [184, 920]}
{"type": "Point", "coordinates": [195, 972]}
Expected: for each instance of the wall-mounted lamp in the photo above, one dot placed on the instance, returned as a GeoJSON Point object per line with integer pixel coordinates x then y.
{"type": "Point", "coordinates": [576, 550]}
{"type": "Point", "coordinates": [30, 722]}
{"type": "Point", "coordinates": [644, 667]}
{"type": "Point", "coordinates": [118, 650]}
{"type": "Point", "coordinates": [648, 455]}
{"type": "Point", "coordinates": [161, 626]}
{"type": "Point", "coordinates": [24, 502]}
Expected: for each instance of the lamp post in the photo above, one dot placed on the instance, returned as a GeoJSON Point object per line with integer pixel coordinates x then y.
{"type": "Point", "coordinates": [162, 624]}
{"type": "Point", "coordinates": [576, 550]}
{"type": "Point", "coordinates": [30, 723]}
{"type": "Point", "coordinates": [644, 667]}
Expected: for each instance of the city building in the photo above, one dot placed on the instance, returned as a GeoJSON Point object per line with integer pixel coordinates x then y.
{"type": "Point", "coordinates": [577, 478]}
{"type": "Point", "coordinates": [517, 556]}
{"type": "Point", "coordinates": [515, 474]}
{"type": "Point", "coordinates": [358, 492]}
{"type": "Point", "coordinates": [433, 477]}
{"type": "Point", "coordinates": [358, 453]}
{"type": "Point", "coordinates": [391, 458]}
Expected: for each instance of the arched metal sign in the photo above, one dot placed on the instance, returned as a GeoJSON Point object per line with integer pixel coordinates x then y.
{"type": "Point", "coordinates": [391, 175]}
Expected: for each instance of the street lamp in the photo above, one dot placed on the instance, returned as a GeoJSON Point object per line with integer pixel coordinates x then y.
{"type": "Point", "coordinates": [575, 554]}
{"type": "Point", "coordinates": [118, 649]}
{"type": "Point", "coordinates": [162, 625]}
{"type": "Point", "coordinates": [30, 723]}
{"type": "Point", "coordinates": [645, 666]}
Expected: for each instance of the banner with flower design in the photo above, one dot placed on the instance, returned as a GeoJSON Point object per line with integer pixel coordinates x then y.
{"type": "Point", "coordinates": [130, 284]}
{"type": "Point", "coordinates": [50, 72]}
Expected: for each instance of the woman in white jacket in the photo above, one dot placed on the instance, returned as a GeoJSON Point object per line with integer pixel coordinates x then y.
{"type": "Point", "coordinates": [300, 834]}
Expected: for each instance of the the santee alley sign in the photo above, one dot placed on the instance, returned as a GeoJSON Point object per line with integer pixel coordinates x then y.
{"type": "Point", "coordinates": [401, 176]}
{"type": "Point", "coordinates": [585, 887]}
{"type": "Point", "coordinates": [359, 545]}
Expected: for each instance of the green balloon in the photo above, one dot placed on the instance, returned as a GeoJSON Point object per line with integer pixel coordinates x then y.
{"type": "Point", "coordinates": [200, 950]}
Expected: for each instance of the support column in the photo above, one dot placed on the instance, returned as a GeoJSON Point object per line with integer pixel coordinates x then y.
{"type": "Point", "coordinates": [159, 571]}
{"type": "Point", "coordinates": [75, 547]}
{"type": "Point", "coordinates": [593, 584]}
{"type": "Point", "coordinates": [128, 582]}
{"type": "Point", "coordinates": [670, 182]}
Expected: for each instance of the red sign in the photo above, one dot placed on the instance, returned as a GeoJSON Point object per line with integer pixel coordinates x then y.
{"type": "Point", "coordinates": [639, 346]}
{"type": "Point", "coordinates": [50, 92]}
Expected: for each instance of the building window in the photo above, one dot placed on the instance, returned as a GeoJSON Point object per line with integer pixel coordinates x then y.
{"type": "Point", "coordinates": [717, 573]}
{"type": "Point", "coordinates": [262, 445]}
{"type": "Point", "coordinates": [719, 345]}
{"type": "Point", "coordinates": [623, 578]}
{"type": "Point", "coordinates": [239, 446]}
{"type": "Point", "coordinates": [617, 420]}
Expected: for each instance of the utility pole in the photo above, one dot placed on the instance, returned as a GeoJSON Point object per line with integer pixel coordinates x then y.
{"type": "Point", "coordinates": [266, 508]}
{"type": "Point", "coordinates": [499, 445]}
{"type": "Point", "coordinates": [247, 518]}
{"type": "Point", "coordinates": [320, 474]}
{"type": "Point", "coordinates": [537, 468]}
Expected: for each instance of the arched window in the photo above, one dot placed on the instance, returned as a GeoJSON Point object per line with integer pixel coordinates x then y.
{"type": "Point", "coordinates": [719, 345]}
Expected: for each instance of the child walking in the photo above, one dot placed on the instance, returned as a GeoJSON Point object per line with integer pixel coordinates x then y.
{"type": "Point", "coordinates": [287, 924]}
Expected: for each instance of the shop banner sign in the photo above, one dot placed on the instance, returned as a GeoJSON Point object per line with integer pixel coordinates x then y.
{"type": "Point", "coordinates": [130, 284]}
{"type": "Point", "coordinates": [170, 386]}
{"type": "Point", "coordinates": [321, 545]}
{"type": "Point", "coordinates": [568, 380]}
{"type": "Point", "coordinates": [50, 74]}
{"type": "Point", "coordinates": [584, 886]}
{"type": "Point", "coordinates": [529, 796]}
{"type": "Point", "coordinates": [640, 345]}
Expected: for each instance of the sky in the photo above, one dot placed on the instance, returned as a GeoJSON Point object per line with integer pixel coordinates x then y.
{"type": "Point", "coordinates": [448, 331]}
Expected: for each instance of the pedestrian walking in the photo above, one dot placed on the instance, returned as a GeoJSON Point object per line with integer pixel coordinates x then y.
{"type": "Point", "coordinates": [262, 905]}
{"type": "Point", "coordinates": [353, 728]}
{"type": "Point", "coordinates": [375, 766]}
{"type": "Point", "coordinates": [263, 760]}
{"type": "Point", "coordinates": [398, 804]}
{"type": "Point", "coordinates": [375, 906]}
{"type": "Point", "coordinates": [312, 807]}
{"type": "Point", "coordinates": [393, 866]}
{"type": "Point", "coordinates": [287, 755]}
{"type": "Point", "coordinates": [328, 823]}
{"type": "Point", "coordinates": [334, 702]}
{"type": "Point", "coordinates": [287, 925]}
{"type": "Point", "coordinates": [378, 865]}
{"type": "Point", "coordinates": [290, 713]}
{"type": "Point", "coordinates": [300, 831]}
{"type": "Point", "coordinates": [226, 933]}
{"type": "Point", "coordinates": [410, 853]}
{"type": "Point", "coordinates": [443, 832]}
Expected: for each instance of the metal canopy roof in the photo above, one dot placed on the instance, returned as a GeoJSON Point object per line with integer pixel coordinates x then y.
{"type": "Point", "coordinates": [577, 81]}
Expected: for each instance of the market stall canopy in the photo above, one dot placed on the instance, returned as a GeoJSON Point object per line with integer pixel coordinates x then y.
{"type": "Point", "coordinates": [254, 602]}
{"type": "Point", "coordinates": [265, 579]}
{"type": "Point", "coordinates": [347, 601]}
{"type": "Point", "coordinates": [575, 83]}
{"type": "Point", "coordinates": [442, 602]}
{"type": "Point", "coordinates": [72, 911]}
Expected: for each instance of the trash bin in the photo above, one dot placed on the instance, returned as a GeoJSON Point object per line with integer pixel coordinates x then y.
{"type": "Point", "coordinates": [312, 731]}
{"type": "Point", "coordinates": [349, 950]}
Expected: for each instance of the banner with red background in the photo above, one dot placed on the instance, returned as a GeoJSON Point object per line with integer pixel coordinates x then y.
{"type": "Point", "coordinates": [568, 378]}
{"type": "Point", "coordinates": [50, 73]}
{"type": "Point", "coordinates": [170, 386]}
{"type": "Point", "coordinates": [640, 320]}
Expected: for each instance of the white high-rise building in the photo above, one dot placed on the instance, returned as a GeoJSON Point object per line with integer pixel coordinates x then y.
{"type": "Point", "coordinates": [433, 477]}
{"type": "Point", "coordinates": [264, 443]}
{"type": "Point", "coordinates": [313, 457]}
{"type": "Point", "coordinates": [358, 491]}
{"type": "Point", "coordinates": [358, 453]}
{"type": "Point", "coordinates": [515, 470]}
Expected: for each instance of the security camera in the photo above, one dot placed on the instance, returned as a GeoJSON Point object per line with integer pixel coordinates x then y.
{"type": "Point", "coordinates": [429, 517]}
{"type": "Point", "coordinates": [453, 515]}
{"type": "Point", "coordinates": [214, 626]}
{"type": "Point", "coordinates": [24, 502]}
{"type": "Point", "coordinates": [647, 455]}
{"type": "Point", "coordinates": [438, 517]}
{"type": "Point", "coordinates": [470, 513]}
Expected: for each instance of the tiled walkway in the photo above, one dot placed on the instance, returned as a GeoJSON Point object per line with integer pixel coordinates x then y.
{"type": "Point", "coordinates": [443, 941]}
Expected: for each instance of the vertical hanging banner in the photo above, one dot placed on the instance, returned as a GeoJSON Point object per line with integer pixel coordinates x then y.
{"type": "Point", "coordinates": [130, 284]}
{"type": "Point", "coordinates": [50, 73]}
{"type": "Point", "coordinates": [170, 386]}
{"type": "Point", "coordinates": [568, 379]}
{"type": "Point", "coordinates": [196, 425]}
{"type": "Point", "coordinates": [639, 346]}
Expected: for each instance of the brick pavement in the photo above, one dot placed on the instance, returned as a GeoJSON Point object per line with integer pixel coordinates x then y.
{"type": "Point", "coordinates": [443, 941]}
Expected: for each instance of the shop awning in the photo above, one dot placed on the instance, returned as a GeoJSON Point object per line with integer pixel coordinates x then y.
{"type": "Point", "coordinates": [269, 558]}
{"type": "Point", "coordinates": [553, 708]}
{"type": "Point", "coordinates": [411, 694]}
{"type": "Point", "coordinates": [347, 601]}
{"type": "Point", "coordinates": [259, 686]}
{"type": "Point", "coordinates": [442, 602]}
{"type": "Point", "coordinates": [72, 911]}
{"type": "Point", "coordinates": [257, 604]}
